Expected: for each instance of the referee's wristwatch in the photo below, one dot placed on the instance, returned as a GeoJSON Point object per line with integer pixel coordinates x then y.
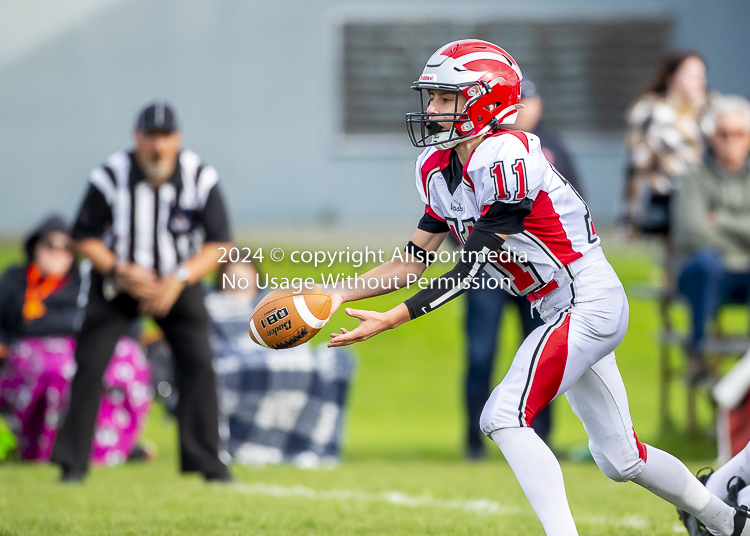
{"type": "Point", "coordinates": [110, 288]}
{"type": "Point", "coordinates": [182, 274]}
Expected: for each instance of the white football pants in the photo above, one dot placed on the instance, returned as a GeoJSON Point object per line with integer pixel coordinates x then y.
{"type": "Point", "coordinates": [573, 353]}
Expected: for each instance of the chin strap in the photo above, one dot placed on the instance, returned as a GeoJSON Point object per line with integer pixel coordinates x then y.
{"type": "Point", "coordinates": [499, 119]}
{"type": "Point", "coordinates": [507, 113]}
{"type": "Point", "coordinates": [451, 144]}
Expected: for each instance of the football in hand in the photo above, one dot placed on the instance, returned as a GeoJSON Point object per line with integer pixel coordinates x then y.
{"type": "Point", "coordinates": [285, 318]}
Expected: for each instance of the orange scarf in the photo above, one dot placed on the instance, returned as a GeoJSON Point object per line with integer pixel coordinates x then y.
{"type": "Point", "coordinates": [37, 290]}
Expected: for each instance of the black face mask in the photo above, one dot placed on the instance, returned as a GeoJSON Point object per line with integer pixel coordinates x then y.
{"type": "Point", "coordinates": [422, 127]}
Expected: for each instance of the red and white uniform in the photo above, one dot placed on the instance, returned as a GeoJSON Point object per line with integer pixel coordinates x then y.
{"type": "Point", "coordinates": [577, 292]}
{"type": "Point", "coordinates": [507, 167]}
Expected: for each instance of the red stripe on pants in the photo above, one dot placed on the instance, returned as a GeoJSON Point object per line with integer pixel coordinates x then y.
{"type": "Point", "coordinates": [549, 371]}
{"type": "Point", "coordinates": [642, 453]}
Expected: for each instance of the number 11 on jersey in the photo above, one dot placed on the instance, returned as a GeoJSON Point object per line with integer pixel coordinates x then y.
{"type": "Point", "coordinates": [502, 190]}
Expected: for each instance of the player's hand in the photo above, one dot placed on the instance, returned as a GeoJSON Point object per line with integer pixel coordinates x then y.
{"type": "Point", "coordinates": [159, 305]}
{"type": "Point", "coordinates": [370, 324]}
{"type": "Point", "coordinates": [336, 300]}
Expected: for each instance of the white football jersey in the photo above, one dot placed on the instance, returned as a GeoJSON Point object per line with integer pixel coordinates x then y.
{"type": "Point", "coordinates": [507, 167]}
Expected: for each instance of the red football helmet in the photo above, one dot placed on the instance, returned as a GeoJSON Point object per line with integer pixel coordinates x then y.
{"type": "Point", "coordinates": [485, 74]}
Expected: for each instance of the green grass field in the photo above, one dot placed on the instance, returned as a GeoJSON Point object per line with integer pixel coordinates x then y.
{"type": "Point", "coordinates": [402, 470]}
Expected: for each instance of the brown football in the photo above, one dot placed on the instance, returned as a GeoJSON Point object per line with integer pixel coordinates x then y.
{"type": "Point", "coordinates": [285, 319]}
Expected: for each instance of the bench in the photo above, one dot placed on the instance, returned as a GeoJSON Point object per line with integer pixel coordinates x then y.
{"type": "Point", "coordinates": [716, 347]}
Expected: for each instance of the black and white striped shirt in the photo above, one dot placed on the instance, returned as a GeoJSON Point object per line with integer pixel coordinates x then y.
{"type": "Point", "coordinates": [155, 227]}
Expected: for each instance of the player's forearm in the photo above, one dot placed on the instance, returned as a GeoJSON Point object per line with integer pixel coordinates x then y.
{"type": "Point", "coordinates": [205, 261]}
{"type": "Point", "coordinates": [382, 279]}
{"type": "Point", "coordinates": [393, 275]}
{"type": "Point", "coordinates": [398, 315]}
{"type": "Point", "coordinates": [94, 249]}
{"type": "Point", "coordinates": [480, 248]}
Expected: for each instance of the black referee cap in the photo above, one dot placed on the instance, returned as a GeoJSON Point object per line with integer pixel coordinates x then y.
{"type": "Point", "coordinates": [157, 115]}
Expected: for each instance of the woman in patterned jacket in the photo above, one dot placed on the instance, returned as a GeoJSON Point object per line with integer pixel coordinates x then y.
{"type": "Point", "coordinates": [664, 139]}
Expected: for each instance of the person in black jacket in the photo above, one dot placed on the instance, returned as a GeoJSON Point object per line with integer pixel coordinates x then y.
{"type": "Point", "coordinates": [530, 120]}
{"type": "Point", "coordinates": [38, 297]}
{"type": "Point", "coordinates": [39, 317]}
{"type": "Point", "coordinates": [484, 305]}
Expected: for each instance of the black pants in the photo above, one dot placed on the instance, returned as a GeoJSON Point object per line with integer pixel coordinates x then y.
{"type": "Point", "coordinates": [484, 309]}
{"type": "Point", "coordinates": [186, 330]}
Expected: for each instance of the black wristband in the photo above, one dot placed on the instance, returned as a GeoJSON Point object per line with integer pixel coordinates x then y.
{"type": "Point", "coordinates": [417, 252]}
{"type": "Point", "coordinates": [478, 250]}
{"type": "Point", "coordinates": [412, 312]}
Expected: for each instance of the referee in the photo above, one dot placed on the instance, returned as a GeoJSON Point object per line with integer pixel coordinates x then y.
{"type": "Point", "coordinates": [151, 223]}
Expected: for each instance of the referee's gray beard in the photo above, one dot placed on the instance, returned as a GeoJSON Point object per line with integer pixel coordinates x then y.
{"type": "Point", "coordinates": [158, 172]}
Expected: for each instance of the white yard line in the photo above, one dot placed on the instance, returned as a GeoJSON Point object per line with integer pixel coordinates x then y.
{"type": "Point", "coordinates": [399, 498]}
{"type": "Point", "coordinates": [390, 497]}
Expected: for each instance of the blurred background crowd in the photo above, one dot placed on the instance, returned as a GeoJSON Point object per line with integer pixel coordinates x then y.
{"type": "Point", "coordinates": [300, 108]}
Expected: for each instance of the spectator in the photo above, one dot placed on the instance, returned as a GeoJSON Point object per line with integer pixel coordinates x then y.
{"type": "Point", "coordinates": [484, 306]}
{"type": "Point", "coordinates": [38, 320]}
{"type": "Point", "coordinates": [711, 223]}
{"type": "Point", "coordinates": [530, 120]}
{"type": "Point", "coordinates": [664, 139]}
{"type": "Point", "coordinates": [140, 225]}
{"type": "Point", "coordinates": [234, 271]}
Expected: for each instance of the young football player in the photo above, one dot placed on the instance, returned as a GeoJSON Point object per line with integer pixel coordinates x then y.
{"type": "Point", "coordinates": [495, 191]}
{"type": "Point", "coordinates": [730, 481]}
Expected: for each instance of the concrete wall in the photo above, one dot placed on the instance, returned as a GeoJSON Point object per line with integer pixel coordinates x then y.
{"type": "Point", "coordinates": [254, 84]}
